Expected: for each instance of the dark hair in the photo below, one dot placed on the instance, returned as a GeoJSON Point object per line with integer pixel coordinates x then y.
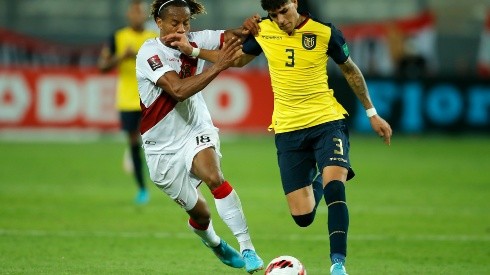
{"type": "Point", "coordinates": [194, 6]}
{"type": "Point", "coordinates": [269, 5]}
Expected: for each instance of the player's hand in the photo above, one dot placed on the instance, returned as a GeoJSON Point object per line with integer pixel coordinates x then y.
{"type": "Point", "coordinates": [382, 128]}
{"type": "Point", "coordinates": [251, 26]}
{"type": "Point", "coordinates": [179, 41]}
{"type": "Point", "coordinates": [129, 54]}
{"type": "Point", "coordinates": [228, 54]}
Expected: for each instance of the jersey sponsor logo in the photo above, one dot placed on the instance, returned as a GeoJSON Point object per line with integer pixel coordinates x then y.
{"type": "Point", "coordinates": [155, 62]}
{"type": "Point", "coordinates": [339, 160]}
{"type": "Point", "coordinates": [272, 37]}
{"type": "Point", "coordinates": [309, 41]}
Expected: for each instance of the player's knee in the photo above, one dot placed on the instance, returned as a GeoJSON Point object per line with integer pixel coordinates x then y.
{"type": "Point", "coordinates": [214, 180]}
{"type": "Point", "coordinates": [305, 219]}
{"type": "Point", "coordinates": [334, 191]}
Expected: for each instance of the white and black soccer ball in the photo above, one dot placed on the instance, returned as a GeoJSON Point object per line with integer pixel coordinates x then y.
{"type": "Point", "coordinates": [285, 265]}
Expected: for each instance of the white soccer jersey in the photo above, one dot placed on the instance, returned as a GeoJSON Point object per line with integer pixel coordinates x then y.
{"type": "Point", "coordinates": [167, 123]}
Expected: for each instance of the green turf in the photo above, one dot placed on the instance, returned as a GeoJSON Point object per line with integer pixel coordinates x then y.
{"type": "Point", "coordinates": [420, 206]}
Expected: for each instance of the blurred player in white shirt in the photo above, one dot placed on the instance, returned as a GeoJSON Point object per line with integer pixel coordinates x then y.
{"type": "Point", "coordinates": [180, 141]}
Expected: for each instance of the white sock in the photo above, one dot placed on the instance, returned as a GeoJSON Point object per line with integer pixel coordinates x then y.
{"type": "Point", "coordinates": [231, 212]}
{"type": "Point", "coordinates": [209, 235]}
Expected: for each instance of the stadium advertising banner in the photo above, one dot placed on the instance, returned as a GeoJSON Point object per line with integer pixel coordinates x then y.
{"type": "Point", "coordinates": [75, 99]}
{"type": "Point", "coordinates": [426, 105]}
{"type": "Point", "coordinates": [56, 99]}
{"type": "Point", "coordinates": [239, 100]}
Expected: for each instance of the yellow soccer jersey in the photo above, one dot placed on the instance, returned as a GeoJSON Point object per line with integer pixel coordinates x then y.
{"type": "Point", "coordinates": [127, 98]}
{"type": "Point", "coordinates": [298, 71]}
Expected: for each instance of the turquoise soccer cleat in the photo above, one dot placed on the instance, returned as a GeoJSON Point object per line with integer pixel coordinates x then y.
{"type": "Point", "coordinates": [227, 255]}
{"type": "Point", "coordinates": [142, 197]}
{"type": "Point", "coordinates": [338, 269]}
{"type": "Point", "coordinates": [252, 261]}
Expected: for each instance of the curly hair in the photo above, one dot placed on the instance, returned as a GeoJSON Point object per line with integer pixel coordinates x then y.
{"type": "Point", "coordinates": [159, 5]}
{"type": "Point", "coordinates": [270, 5]}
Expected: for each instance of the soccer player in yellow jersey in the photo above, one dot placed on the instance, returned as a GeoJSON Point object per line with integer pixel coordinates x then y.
{"type": "Point", "coordinates": [120, 54]}
{"type": "Point", "coordinates": [311, 134]}
{"type": "Point", "coordinates": [309, 123]}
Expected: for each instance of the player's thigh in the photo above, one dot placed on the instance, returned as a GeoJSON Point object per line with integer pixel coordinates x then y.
{"type": "Point", "coordinates": [296, 162]}
{"type": "Point", "coordinates": [168, 171]}
{"type": "Point", "coordinates": [202, 153]}
{"type": "Point", "coordinates": [130, 120]}
{"type": "Point", "coordinates": [332, 152]}
{"type": "Point", "coordinates": [130, 123]}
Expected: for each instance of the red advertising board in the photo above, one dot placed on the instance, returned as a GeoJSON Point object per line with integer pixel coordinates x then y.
{"type": "Point", "coordinates": [84, 99]}
{"type": "Point", "coordinates": [240, 99]}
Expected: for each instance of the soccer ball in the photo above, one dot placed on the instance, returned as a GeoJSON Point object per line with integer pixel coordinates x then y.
{"type": "Point", "coordinates": [285, 265]}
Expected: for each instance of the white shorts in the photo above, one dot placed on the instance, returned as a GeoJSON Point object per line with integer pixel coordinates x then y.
{"type": "Point", "coordinates": [171, 171]}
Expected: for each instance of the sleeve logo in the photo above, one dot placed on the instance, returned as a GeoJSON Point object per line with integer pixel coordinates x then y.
{"type": "Point", "coordinates": [309, 41]}
{"type": "Point", "coordinates": [155, 62]}
{"type": "Point", "coordinates": [345, 49]}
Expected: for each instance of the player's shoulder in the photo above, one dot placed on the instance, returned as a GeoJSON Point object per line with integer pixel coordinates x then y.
{"type": "Point", "coordinates": [151, 33]}
{"type": "Point", "coordinates": [150, 43]}
{"type": "Point", "coordinates": [320, 23]}
{"type": "Point", "coordinates": [266, 21]}
{"type": "Point", "coordinates": [124, 30]}
{"type": "Point", "coordinates": [203, 34]}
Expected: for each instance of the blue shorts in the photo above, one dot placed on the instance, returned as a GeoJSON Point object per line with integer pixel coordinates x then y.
{"type": "Point", "coordinates": [302, 154]}
{"type": "Point", "coordinates": [130, 120]}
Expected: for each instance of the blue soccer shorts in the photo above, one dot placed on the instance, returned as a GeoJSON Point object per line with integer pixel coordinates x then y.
{"type": "Point", "coordinates": [302, 153]}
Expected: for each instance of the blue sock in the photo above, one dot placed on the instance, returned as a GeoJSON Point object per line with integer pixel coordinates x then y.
{"type": "Point", "coordinates": [338, 217]}
{"type": "Point", "coordinates": [138, 165]}
{"type": "Point", "coordinates": [337, 258]}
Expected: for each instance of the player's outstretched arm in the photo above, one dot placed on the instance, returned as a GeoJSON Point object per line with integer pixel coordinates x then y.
{"type": "Point", "coordinates": [358, 84]}
{"type": "Point", "coordinates": [181, 89]}
{"type": "Point", "coordinates": [251, 25]}
{"type": "Point", "coordinates": [182, 43]}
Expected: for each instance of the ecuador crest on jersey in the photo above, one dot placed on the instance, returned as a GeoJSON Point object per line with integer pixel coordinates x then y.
{"type": "Point", "coordinates": [309, 41]}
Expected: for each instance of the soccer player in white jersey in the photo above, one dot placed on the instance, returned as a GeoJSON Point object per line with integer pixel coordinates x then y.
{"type": "Point", "coordinates": [180, 141]}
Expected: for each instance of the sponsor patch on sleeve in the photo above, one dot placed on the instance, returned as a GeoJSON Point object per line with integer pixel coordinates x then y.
{"type": "Point", "coordinates": [345, 49]}
{"type": "Point", "coordinates": [155, 62]}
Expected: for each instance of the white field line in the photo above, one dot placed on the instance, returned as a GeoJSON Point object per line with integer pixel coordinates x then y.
{"type": "Point", "coordinates": [290, 237]}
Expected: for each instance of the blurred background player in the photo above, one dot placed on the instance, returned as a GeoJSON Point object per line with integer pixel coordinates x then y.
{"type": "Point", "coordinates": [180, 141]}
{"type": "Point", "coordinates": [120, 53]}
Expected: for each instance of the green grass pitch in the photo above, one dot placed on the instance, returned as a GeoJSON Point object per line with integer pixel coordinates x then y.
{"type": "Point", "coordinates": [420, 206]}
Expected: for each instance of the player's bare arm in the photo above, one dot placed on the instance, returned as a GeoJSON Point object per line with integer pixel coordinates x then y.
{"type": "Point", "coordinates": [181, 89]}
{"type": "Point", "coordinates": [108, 61]}
{"type": "Point", "coordinates": [356, 81]}
{"type": "Point", "coordinates": [251, 25]}
{"type": "Point", "coordinates": [181, 42]}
